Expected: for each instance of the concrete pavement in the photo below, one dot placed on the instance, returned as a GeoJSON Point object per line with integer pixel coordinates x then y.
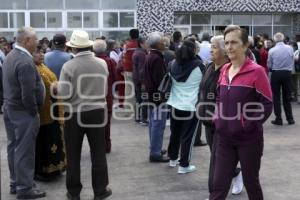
{"type": "Point", "coordinates": [132, 177]}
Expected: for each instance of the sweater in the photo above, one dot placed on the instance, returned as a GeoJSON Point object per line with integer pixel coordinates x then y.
{"type": "Point", "coordinates": [83, 83]}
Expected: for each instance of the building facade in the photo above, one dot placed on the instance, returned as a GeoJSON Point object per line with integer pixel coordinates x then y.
{"type": "Point", "coordinates": [197, 16]}
{"type": "Point", "coordinates": [114, 18]}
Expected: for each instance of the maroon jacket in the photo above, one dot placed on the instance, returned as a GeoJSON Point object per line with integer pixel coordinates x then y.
{"type": "Point", "coordinates": [111, 65]}
{"type": "Point", "coordinates": [155, 70]}
{"type": "Point", "coordinates": [249, 86]}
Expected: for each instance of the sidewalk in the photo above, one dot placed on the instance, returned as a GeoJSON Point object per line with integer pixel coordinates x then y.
{"type": "Point", "coordinates": [132, 177]}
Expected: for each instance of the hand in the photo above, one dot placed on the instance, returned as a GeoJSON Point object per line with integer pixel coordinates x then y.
{"type": "Point", "coordinates": [53, 89]}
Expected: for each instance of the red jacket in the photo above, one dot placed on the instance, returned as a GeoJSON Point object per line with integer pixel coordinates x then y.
{"type": "Point", "coordinates": [249, 89]}
{"type": "Point", "coordinates": [264, 59]}
{"type": "Point", "coordinates": [129, 48]}
{"type": "Point", "coordinates": [111, 65]}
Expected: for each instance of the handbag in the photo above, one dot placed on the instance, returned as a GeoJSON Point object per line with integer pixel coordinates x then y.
{"type": "Point", "coordinates": [165, 84]}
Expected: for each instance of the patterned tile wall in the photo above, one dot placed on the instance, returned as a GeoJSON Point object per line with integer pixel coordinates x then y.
{"type": "Point", "coordinates": [158, 15]}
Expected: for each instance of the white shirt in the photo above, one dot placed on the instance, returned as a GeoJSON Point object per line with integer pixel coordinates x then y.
{"type": "Point", "coordinates": [23, 49]}
{"type": "Point", "coordinates": [205, 55]}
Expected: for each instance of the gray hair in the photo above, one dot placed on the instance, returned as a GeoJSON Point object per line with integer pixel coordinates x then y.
{"type": "Point", "coordinates": [278, 37]}
{"type": "Point", "coordinates": [99, 46]}
{"type": "Point", "coordinates": [167, 41]}
{"type": "Point", "coordinates": [24, 33]}
{"type": "Point", "coordinates": [219, 39]}
{"type": "Point", "coordinates": [154, 38]}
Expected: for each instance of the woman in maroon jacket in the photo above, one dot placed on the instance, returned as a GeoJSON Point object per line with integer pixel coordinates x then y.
{"type": "Point", "coordinates": [99, 48]}
{"type": "Point", "coordinates": [244, 103]}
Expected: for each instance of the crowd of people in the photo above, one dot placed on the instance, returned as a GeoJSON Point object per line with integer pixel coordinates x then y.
{"type": "Point", "coordinates": [53, 93]}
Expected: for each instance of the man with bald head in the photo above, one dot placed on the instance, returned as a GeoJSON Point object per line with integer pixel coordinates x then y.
{"type": "Point", "coordinates": [23, 92]}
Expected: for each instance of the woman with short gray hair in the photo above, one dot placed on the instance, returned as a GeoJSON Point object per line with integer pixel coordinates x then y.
{"type": "Point", "coordinates": [155, 70]}
{"type": "Point", "coordinates": [99, 48]}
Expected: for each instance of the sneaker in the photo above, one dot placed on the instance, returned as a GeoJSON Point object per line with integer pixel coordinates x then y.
{"type": "Point", "coordinates": [168, 122]}
{"type": "Point", "coordinates": [173, 163]}
{"type": "Point", "coordinates": [238, 184]}
{"type": "Point", "coordinates": [184, 170]}
{"type": "Point", "coordinates": [144, 123]}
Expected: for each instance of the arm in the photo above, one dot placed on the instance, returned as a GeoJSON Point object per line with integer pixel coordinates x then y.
{"type": "Point", "coordinates": [64, 85]}
{"type": "Point", "coordinates": [27, 78]}
{"type": "Point", "coordinates": [158, 72]}
{"type": "Point", "coordinates": [270, 61]}
{"type": "Point", "coordinates": [263, 97]}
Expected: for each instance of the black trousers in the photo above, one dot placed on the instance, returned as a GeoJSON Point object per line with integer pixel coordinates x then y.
{"type": "Point", "coordinates": [227, 156]}
{"type": "Point", "coordinates": [199, 133]}
{"type": "Point", "coordinates": [74, 133]}
{"type": "Point", "coordinates": [183, 133]}
{"type": "Point", "coordinates": [281, 80]}
{"type": "Point", "coordinates": [141, 109]}
{"type": "Point", "coordinates": [1, 89]}
{"type": "Point", "coordinates": [211, 139]}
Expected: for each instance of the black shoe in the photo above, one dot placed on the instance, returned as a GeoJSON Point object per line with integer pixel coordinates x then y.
{"type": "Point", "coordinates": [41, 178]}
{"type": "Point", "coordinates": [13, 191]}
{"type": "Point", "coordinates": [290, 122]}
{"type": "Point", "coordinates": [277, 122]}
{"type": "Point", "coordinates": [107, 192]}
{"type": "Point", "coordinates": [199, 144]}
{"type": "Point", "coordinates": [32, 194]}
{"type": "Point", "coordinates": [158, 159]}
{"type": "Point", "coordinates": [70, 197]}
{"type": "Point", "coordinates": [163, 152]}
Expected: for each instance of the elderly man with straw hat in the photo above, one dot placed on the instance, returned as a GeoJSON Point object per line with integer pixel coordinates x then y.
{"type": "Point", "coordinates": [83, 86]}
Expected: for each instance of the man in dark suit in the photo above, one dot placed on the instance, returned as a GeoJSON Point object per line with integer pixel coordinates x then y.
{"type": "Point", "coordinates": [23, 92]}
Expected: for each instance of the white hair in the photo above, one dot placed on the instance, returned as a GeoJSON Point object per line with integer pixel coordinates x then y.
{"type": "Point", "coordinates": [250, 41]}
{"type": "Point", "coordinates": [167, 41]}
{"type": "Point", "coordinates": [154, 38]}
{"type": "Point", "coordinates": [278, 37]}
{"type": "Point", "coordinates": [99, 46]}
{"type": "Point", "coordinates": [23, 33]}
{"type": "Point", "coordinates": [219, 39]}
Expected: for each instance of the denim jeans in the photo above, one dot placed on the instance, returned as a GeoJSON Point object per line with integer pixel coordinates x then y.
{"type": "Point", "coordinates": [157, 124]}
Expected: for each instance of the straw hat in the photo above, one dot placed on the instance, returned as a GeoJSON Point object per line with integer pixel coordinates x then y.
{"type": "Point", "coordinates": [79, 39]}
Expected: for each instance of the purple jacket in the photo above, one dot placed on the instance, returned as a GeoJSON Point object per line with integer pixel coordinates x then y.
{"type": "Point", "coordinates": [243, 104]}
{"type": "Point", "coordinates": [138, 60]}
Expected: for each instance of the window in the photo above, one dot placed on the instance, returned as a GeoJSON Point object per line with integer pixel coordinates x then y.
{"type": "Point", "coordinates": [286, 30]}
{"type": "Point", "coordinates": [74, 20]}
{"type": "Point", "coordinates": [37, 19]}
{"type": "Point", "coordinates": [3, 20]}
{"type": "Point", "coordinates": [126, 19]}
{"type": "Point", "coordinates": [181, 19]}
{"type": "Point", "coordinates": [110, 19]}
{"type": "Point", "coordinates": [262, 29]}
{"type": "Point", "coordinates": [221, 19]}
{"type": "Point", "coordinates": [200, 19]}
{"type": "Point", "coordinates": [90, 20]}
{"type": "Point", "coordinates": [54, 20]}
{"type": "Point", "coordinates": [13, 4]}
{"type": "Point", "coordinates": [80, 4]}
{"type": "Point", "coordinates": [118, 4]}
{"type": "Point", "coordinates": [116, 35]}
{"type": "Point", "coordinates": [242, 19]}
{"type": "Point", "coordinates": [262, 19]}
{"type": "Point", "coordinates": [16, 20]}
{"type": "Point", "coordinates": [201, 29]}
{"type": "Point", "coordinates": [45, 4]}
{"type": "Point", "coordinates": [282, 19]}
